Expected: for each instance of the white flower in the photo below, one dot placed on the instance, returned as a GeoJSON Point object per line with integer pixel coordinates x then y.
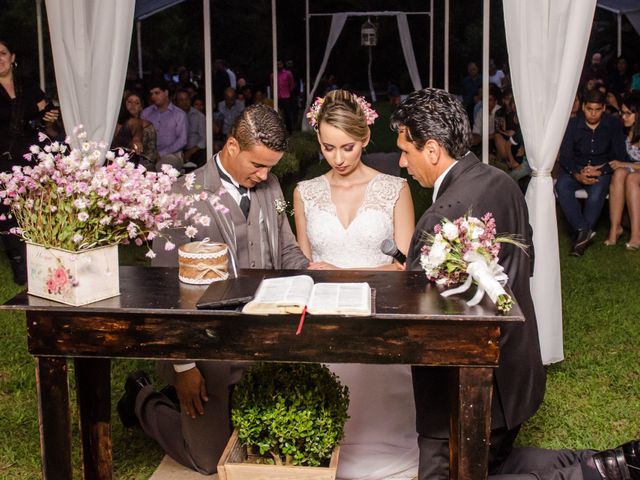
{"type": "Point", "coordinates": [35, 149]}
{"type": "Point", "coordinates": [150, 254]}
{"type": "Point", "coordinates": [110, 156]}
{"type": "Point", "coordinates": [280, 205]}
{"type": "Point", "coordinates": [168, 246]}
{"type": "Point", "coordinates": [132, 230]}
{"type": "Point", "coordinates": [450, 231]}
{"type": "Point", "coordinates": [204, 220]}
{"type": "Point", "coordinates": [437, 254]}
{"type": "Point", "coordinates": [77, 238]}
{"type": "Point", "coordinates": [80, 203]}
{"type": "Point", "coordinates": [83, 217]}
{"type": "Point", "coordinates": [189, 180]}
{"type": "Point", "coordinates": [190, 231]}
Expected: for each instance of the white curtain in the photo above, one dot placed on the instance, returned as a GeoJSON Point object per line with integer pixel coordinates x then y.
{"type": "Point", "coordinates": [546, 41]}
{"type": "Point", "coordinates": [407, 50]}
{"type": "Point", "coordinates": [90, 40]}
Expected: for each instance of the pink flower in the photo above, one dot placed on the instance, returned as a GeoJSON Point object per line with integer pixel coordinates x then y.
{"type": "Point", "coordinates": [52, 287]}
{"type": "Point", "coordinates": [60, 276]}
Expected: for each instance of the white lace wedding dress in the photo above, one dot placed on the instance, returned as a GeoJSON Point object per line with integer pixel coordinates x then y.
{"type": "Point", "coordinates": [380, 437]}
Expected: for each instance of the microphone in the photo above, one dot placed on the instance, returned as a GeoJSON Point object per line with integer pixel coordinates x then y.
{"type": "Point", "coordinates": [389, 247]}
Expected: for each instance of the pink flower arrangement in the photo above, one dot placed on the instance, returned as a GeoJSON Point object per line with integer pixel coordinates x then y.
{"type": "Point", "coordinates": [370, 114]}
{"type": "Point", "coordinates": [68, 199]}
{"type": "Point", "coordinates": [465, 251]}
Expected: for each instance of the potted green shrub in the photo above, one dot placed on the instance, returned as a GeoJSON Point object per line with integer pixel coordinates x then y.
{"type": "Point", "coordinates": [288, 419]}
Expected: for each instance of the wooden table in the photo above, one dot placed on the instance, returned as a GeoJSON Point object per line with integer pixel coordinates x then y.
{"type": "Point", "coordinates": [155, 317]}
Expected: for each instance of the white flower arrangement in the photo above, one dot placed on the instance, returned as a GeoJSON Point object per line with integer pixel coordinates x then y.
{"type": "Point", "coordinates": [465, 251]}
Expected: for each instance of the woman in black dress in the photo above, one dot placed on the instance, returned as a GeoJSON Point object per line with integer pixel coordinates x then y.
{"type": "Point", "coordinates": [23, 111]}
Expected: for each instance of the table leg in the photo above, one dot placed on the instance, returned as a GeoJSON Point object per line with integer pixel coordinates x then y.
{"type": "Point", "coordinates": [54, 418]}
{"type": "Point", "coordinates": [93, 383]}
{"type": "Point", "coordinates": [470, 423]}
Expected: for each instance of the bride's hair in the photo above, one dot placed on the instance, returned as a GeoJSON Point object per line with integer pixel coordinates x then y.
{"type": "Point", "coordinates": [342, 110]}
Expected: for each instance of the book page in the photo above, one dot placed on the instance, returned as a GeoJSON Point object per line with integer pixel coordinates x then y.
{"type": "Point", "coordinates": [281, 292]}
{"type": "Point", "coordinates": [340, 298]}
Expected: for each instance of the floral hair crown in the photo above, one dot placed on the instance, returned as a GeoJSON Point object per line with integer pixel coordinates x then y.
{"type": "Point", "coordinates": [370, 114]}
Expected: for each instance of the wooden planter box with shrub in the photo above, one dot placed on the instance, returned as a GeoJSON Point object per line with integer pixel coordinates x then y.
{"type": "Point", "coordinates": [288, 419]}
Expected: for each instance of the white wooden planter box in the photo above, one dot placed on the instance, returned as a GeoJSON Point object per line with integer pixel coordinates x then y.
{"type": "Point", "coordinates": [231, 466]}
{"type": "Point", "coordinates": [74, 278]}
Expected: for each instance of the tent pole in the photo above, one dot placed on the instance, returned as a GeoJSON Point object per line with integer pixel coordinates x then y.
{"type": "Point", "coordinates": [619, 34]}
{"type": "Point", "coordinates": [306, 18]}
{"type": "Point", "coordinates": [485, 81]}
{"type": "Point", "coordinates": [446, 45]}
{"type": "Point", "coordinates": [274, 46]}
{"type": "Point", "coordinates": [139, 46]}
{"type": "Point", "coordinates": [43, 85]}
{"type": "Point", "coordinates": [208, 88]}
{"type": "Point", "coordinates": [431, 45]}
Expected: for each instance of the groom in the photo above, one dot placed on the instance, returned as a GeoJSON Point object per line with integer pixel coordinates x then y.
{"type": "Point", "coordinates": [434, 138]}
{"type": "Point", "coordinates": [257, 237]}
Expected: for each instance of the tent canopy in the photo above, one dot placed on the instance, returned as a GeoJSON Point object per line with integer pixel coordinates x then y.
{"type": "Point", "coordinates": [630, 8]}
{"type": "Point", "coordinates": [146, 8]}
{"type": "Point", "coordinates": [620, 6]}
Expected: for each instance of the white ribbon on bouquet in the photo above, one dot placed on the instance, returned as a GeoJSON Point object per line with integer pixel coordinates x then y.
{"type": "Point", "coordinates": [490, 278]}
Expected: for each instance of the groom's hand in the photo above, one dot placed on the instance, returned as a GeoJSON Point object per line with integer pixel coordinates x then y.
{"type": "Point", "coordinates": [192, 391]}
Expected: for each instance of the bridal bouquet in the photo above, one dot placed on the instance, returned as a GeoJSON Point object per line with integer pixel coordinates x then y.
{"type": "Point", "coordinates": [68, 200]}
{"type": "Point", "coordinates": [465, 251]}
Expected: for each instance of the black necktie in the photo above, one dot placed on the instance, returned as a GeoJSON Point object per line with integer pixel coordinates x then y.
{"type": "Point", "coordinates": [245, 201]}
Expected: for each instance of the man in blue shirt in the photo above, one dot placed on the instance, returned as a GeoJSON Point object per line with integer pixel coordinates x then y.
{"type": "Point", "coordinates": [170, 123]}
{"type": "Point", "coordinates": [592, 140]}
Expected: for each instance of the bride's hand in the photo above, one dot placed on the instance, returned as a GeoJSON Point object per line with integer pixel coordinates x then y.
{"type": "Point", "coordinates": [321, 266]}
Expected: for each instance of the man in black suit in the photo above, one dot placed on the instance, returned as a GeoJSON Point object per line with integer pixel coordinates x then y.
{"type": "Point", "coordinates": [434, 138]}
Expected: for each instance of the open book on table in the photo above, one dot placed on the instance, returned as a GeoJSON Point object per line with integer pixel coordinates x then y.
{"type": "Point", "coordinates": [292, 294]}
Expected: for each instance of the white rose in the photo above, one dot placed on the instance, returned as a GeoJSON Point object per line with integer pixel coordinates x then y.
{"type": "Point", "coordinates": [437, 254]}
{"type": "Point", "coordinates": [450, 231]}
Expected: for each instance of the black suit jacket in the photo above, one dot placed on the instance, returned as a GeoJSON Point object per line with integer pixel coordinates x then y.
{"type": "Point", "coordinates": [519, 382]}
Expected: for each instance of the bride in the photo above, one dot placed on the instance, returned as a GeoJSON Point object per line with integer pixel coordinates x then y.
{"type": "Point", "coordinates": [341, 218]}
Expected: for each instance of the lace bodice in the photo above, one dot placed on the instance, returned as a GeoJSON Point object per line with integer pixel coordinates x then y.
{"type": "Point", "coordinates": [358, 245]}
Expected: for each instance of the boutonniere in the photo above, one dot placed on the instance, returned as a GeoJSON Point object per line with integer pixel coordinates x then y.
{"type": "Point", "coordinates": [282, 206]}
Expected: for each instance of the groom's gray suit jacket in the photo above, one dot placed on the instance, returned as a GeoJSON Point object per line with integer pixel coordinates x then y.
{"type": "Point", "coordinates": [250, 246]}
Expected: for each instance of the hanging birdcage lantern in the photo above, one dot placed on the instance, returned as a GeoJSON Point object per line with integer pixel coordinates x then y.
{"type": "Point", "coordinates": [368, 34]}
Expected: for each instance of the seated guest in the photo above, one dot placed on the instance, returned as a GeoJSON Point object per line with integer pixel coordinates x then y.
{"type": "Point", "coordinates": [495, 100]}
{"type": "Point", "coordinates": [230, 108]}
{"type": "Point", "coordinates": [170, 123]}
{"type": "Point", "coordinates": [620, 80]}
{"type": "Point", "coordinates": [470, 86]}
{"type": "Point", "coordinates": [195, 151]}
{"type": "Point", "coordinates": [260, 97]}
{"type": "Point", "coordinates": [195, 435]}
{"type": "Point", "coordinates": [592, 140]}
{"type": "Point", "coordinates": [247, 95]}
{"type": "Point", "coordinates": [135, 133]}
{"type": "Point", "coordinates": [625, 184]}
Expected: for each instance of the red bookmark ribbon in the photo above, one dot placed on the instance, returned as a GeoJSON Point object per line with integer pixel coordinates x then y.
{"type": "Point", "coordinates": [302, 315]}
